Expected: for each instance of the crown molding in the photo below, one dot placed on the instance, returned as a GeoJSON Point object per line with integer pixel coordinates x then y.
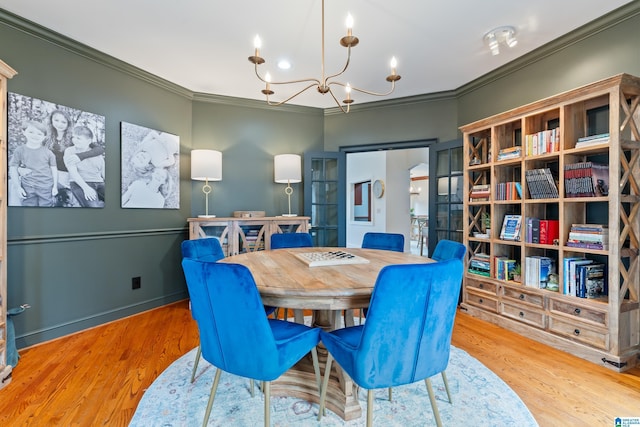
{"type": "Point", "coordinates": [596, 26]}
{"type": "Point", "coordinates": [253, 103]}
{"type": "Point", "coordinates": [408, 100]}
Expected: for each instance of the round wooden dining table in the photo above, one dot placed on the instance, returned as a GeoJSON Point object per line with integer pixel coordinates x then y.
{"type": "Point", "coordinates": [285, 278]}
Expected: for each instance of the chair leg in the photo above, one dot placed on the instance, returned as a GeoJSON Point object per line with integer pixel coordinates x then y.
{"type": "Point", "coordinates": [195, 364]}
{"type": "Point", "coordinates": [446, 386]}
{"type": "Point", "coordinates": [369, 408]}
{"type": "Point", "coordinates": [212, 395]}
{"type": "Point", "coordinates": [432, 398]}
{"type": "Point", "coordinates": [251, 387]}
{"type": "Point", "coordinates": [316, 368]}
{"type": "Point", "coordinates": [298, 317]}
{"type": "Point", "coordinates": [325, 384]}
{"type": "Point", "coordinates": [390, 394]}
{"type": "Point", "coordinates": [267, 403]}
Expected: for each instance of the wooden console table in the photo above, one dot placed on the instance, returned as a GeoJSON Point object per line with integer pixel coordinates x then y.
{"type": "Point", "coordinates": [239, 235]}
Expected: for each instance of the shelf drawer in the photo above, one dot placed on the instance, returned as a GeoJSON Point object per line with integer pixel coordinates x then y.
{"type": "Point", "coordinates": [483, 286]}
{"type": "Point", "coordinates": [481, 300]}
{"type": "Point", "coordinates": [526, 315]}
{"type": "Point", "coordinates": [522, 295]}
{"type": "Point", "coordinates": [597, 317]}
{"type": "Point", "coordinates": [580, 332]}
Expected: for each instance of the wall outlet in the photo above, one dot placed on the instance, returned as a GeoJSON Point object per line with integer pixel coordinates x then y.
{"type": "Point", "coordinates": [136, 282]}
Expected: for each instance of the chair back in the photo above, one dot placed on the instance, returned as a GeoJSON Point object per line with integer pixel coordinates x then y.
{"type": "Point", "coordinates": [291, 240]}
{"type": "Point", "coordinates": [205, 249]}
{"type": "Point", "coordinates": [448, 249]}
{"type": "Point", "coordinates": [384, 241]}
{"type": "Point", "coordinates": [231, 319]}
{"type": "Point", "coordinates": [407, 335]}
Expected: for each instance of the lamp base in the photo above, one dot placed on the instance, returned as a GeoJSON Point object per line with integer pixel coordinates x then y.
{"type": "Point", "coordinates": [206, 216]}
{"type": "Point", "coordinates": [289, 215]}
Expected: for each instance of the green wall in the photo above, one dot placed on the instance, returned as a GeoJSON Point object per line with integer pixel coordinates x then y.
{"type": "Point", "coordinates": [74, 266]}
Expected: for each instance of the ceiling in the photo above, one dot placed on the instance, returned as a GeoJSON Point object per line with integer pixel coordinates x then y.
{"type": "Point", "coordinates": [203, 45]}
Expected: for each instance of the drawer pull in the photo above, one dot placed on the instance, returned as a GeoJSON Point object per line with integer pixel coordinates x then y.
{"type": "Point", "coordinates": [522, 297]}
{"type": "Point", "coordinates": [576, 311]}
{"type": "Point", "coordinates": [481, 300]}
{"type": "Point", "coordinates": [481, 286]}
{"type": "Point", "coordinates": [576, 332]}
{"type": "Point", "coordinates": [521, 314]}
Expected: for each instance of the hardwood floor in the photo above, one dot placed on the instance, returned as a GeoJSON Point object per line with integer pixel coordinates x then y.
{"type": "Point", "coordinates": [97, 377]}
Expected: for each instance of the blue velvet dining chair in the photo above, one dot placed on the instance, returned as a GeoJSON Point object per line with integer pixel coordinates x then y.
{"type": "Point", "coordinates": [208, 250]}
{"type": "Point", "coordinates": [448, 249]}
{"type": "Point", "coordinates": [291, 240]}
{"type": "Point", "coordinates": [384, 241]}
{"type": "Point", "coordinates": [407, 336]}
{"type": "Point", "coordinates": [236, 336]}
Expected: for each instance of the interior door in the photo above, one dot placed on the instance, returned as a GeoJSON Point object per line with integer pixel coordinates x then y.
{"type": "Point", "coordinates": [325, 197]}
{"type": "Point", "coordinates": [446, 192]}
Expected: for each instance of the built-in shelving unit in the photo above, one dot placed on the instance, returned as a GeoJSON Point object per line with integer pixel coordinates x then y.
{"type": "Point", "coordinates": [604, 328]}
{"type": "Point", "coordinates": [6, 72]}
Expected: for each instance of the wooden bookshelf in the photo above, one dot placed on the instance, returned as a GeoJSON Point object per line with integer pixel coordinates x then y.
{"type": "Point", "coordinates": [605, 329]}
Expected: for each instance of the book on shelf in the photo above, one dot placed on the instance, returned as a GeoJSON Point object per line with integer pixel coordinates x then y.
{"type": "Point", "coordinates": [573, 283]}
{"type": "Point", "coordinates": [504, 268]}
{"type": "Point", "coordinates": [480, 192]}
{"type": "Point", "coordinates": [539, 271]}
{"type": "Point", "coordinates": [546, 141]}
{"type": "Point", "coordinates": [588, 236]}
{"type": "Point", "coordinates": [566, 262]}
{"type": "Point", "coordinates": [541, 184]}
{"type": "Point", "coordinates": [480, 264]}
{"type": "Point", "coordinates": [590, 280]}
{"type": "Point", "coordinates": [549, 231]}
{"type": "Point", "coordinates": [585, 141]}
{"type": "Point", "coordinates": [511, 226]}
{"type": "Point", "coordinates": [508, 153]}
{"type": "Point", "coordinates": [507, 191]}
{"type": "Point", "coordinates": [532, 233]}
{"type": "Point", "coordinates": [586, 179]}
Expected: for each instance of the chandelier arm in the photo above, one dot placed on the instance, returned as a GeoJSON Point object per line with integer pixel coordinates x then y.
{"type": "Point", "coordinates": [346, 65]}
{"type": "Point", "coordinates": [275, 104]}
{"type": "Point", "coordinates": [368, 92]}
{"type": "Point", "coordinates": [338, 102]}
{"type": "Point", "coordinates": [315, 81]}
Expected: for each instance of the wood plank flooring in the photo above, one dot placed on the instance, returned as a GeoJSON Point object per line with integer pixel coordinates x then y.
{"type": "Point", "coordinates": [98, 376]}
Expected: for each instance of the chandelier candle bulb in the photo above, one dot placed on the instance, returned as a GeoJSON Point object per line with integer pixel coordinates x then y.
{"type": "Point", "coordinates": [349, 25]}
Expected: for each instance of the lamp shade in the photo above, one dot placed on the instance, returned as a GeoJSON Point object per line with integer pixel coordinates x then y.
{"type": "Point", "coordinates": [287, 168]}
{"type": "Point", "coordinates": [206, 165]}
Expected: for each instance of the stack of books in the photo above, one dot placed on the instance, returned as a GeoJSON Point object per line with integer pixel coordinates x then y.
{"type": "Point", "coordinates": [508, 153]}
{"type": "Point", "coordinates": [511, 226]}
{"type": "Point", "coordinates": [546, 141]}
{"type": "Point", "coordinates": [480, 192]}
{"type": "Point", "coordinates": [508, 191]}
{"type": "Point", "coordinates": [601, 138]}
{"type": "Point", "coordinates": [586, 179]}
{"type": "Point", "coordinates": [589, 236]}
{"type": "Point", "coordinates": [480, 264]}
{"type": "Point", "coordinates": [539, 271]}
{"type": "Point", "coordinates": [541, 184]}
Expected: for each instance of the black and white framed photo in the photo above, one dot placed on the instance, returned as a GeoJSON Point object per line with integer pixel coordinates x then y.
{"type": "Point", "coordinates": [150, 168]}
{"type": "Point", "coordinates": [56, 154]}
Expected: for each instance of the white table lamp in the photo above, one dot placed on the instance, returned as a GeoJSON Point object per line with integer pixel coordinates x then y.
{"type": "Point", "coordinates": [287, 169]}
{"type": "Point", "coordinates": [206, 165]}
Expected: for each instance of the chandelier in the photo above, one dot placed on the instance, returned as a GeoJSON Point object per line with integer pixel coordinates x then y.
{"type": "Point", "coordinates": [324, 83]}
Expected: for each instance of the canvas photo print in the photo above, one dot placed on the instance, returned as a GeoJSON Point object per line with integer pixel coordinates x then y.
{"type": "Point", "coordinates": [56, 155]}
{"type": "Point", "coordinates": [150, 168]}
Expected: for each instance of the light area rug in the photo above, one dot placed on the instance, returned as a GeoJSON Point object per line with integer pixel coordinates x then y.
{"type": "Point", "coordinates": [480, 398]}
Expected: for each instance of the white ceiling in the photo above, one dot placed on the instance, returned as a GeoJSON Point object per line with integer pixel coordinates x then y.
{"type": "Point", "coordinates": [203, 45]}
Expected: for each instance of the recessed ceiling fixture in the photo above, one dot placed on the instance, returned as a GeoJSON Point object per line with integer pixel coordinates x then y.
{"type": "Point", "coordinates": [504, 35]}
{"type": "Point", "coordinates": [325, 83]}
